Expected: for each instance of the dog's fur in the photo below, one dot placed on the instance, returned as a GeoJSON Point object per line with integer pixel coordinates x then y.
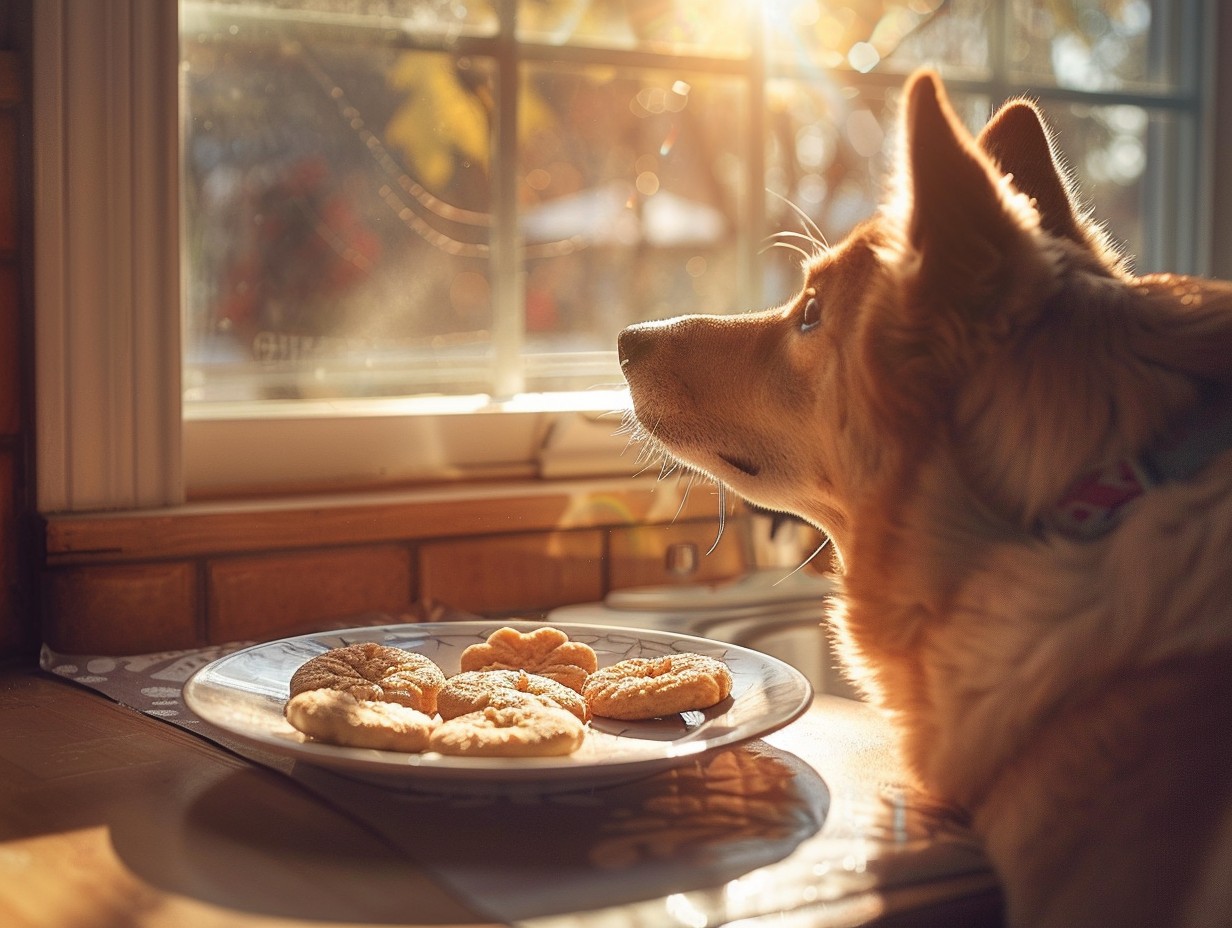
{"type": "Point", "coordinates": [942, 377]}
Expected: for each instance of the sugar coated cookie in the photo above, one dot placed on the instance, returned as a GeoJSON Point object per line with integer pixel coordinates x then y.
{"type": "Point", "coordinates": [532, 729]}
{"type": "Point", "coordinates": [336, 717]}
{"type": "Point", "coordinates": [545, 651]}
{"type": "Point", "coordinates": [473, 690]}
{"type": "Point", "coordinates": [650, 687]}
{"type": "Point", "coordinates": [375, 673]}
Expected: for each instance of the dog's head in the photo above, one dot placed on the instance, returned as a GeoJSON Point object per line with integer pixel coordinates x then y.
{"type": "Point", "coordinates": [976, 339]}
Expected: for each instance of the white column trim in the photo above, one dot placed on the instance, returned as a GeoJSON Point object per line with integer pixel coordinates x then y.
{"type": "Point", "coordinates": [107, 254]}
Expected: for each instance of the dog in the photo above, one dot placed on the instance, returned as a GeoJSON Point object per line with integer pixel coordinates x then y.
{"type": "Point", "coordinates": [1019, 450]}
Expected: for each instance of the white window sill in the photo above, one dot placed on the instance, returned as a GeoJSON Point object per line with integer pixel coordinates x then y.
{"type": "Point", "coordinates": [240, 448]}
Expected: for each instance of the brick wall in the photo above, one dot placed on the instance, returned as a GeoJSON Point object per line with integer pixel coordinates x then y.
{"type": "Point", "coordinates": [17, 621]}
{"type": "Point", "coordinates": [124, 583]}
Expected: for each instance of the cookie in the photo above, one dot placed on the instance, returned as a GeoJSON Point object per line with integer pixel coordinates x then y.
{"type": "Point", "coordinates": [473, 690]}
{"type": "Point", "coordinates": [337, 717]}
{"type": "Point", "coordinates": [545, 651]}
{"type": "Point", "coordinates": [650, 687]}
{"type": "Point", "coordinates": [373, 672]}
{"type": "Point", "coordinates": [532, 728]}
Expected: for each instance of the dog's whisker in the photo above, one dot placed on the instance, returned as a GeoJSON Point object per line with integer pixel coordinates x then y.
{"type": "Point", "coordinates": [629, 443]}
{"type": "Point", "coordinates": [815, 235]}
{"type": "Point", "coordinates": [674, 465]}
{"type": "Point", "coordinates": [649, 463]}
{"type": "Point", "coordinates": [722, 518]}
{"type": "Point", "coordinates": [790, 247]}
{"type": "Point", "coordinates": [817, 247]}
{"type": "Point", "coordinates": [633, 429]}
{"type": "Point", "coordinates": [645, 469]}
{"type": "Point", "coordinates": [684, 497]}
{"type": "Point", "coordinates": [821, 547]}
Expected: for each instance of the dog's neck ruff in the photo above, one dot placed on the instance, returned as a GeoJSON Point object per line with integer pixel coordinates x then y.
{"type": "Point", "coordinates": [1096, 502]}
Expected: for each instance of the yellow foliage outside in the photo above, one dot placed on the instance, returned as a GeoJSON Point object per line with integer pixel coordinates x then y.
{"type": "Point", "coordinates": [443, 118]}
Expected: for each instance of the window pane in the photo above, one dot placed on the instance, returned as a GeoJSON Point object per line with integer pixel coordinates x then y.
{"type": "Point", "coordinates": [954, 35]}
{"type": "Point", "coordinates": [827, 156]}
{"type": "Point", "coordinates": [632, 189]}
{"type": "Point", "coordinates": [422, 17]}
{"type": "Point", "coordinates": [337, 212]}
{"type": "Point", "coordinates": [1125, 159]}
{"type": "Point", "coordinates": [826, 153]}
{"type": "Point", "coordinates": [711, 27]}
{"type": "Point", "coordinates": [1085, 45]}
{"type": "Point", "coordinates": [875, 34]}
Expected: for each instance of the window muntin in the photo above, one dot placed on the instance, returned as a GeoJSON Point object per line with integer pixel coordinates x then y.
{"type": "Point", "coordinates": [680, 27]}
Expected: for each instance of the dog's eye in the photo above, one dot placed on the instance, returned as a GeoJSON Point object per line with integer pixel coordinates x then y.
{"type": "Point", "coordinates": [812, 315]}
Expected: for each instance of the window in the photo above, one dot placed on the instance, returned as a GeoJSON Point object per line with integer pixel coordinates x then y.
{"type": "Point", "coordinates": [412, 230]}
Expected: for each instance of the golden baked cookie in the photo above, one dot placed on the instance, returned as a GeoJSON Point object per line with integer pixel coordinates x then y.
{"type": "Point", "coordinates": [373, 672]}
{"type": "Point", "coordinates": [546, 651]}
{"type": "Point", "coordinates": [336, 717]}
{"type": "Point", "coordinates": [532, 728]}
{"type": "Point", "coordinates": [473, 690]}
{"type": "Point", "coordinates": [650, 687]}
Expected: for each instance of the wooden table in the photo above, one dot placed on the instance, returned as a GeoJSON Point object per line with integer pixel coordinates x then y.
{"type": "Point", "coordinates": [111, 818]}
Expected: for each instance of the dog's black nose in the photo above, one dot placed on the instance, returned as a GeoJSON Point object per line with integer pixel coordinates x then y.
{"type": "Point", "coordinates": [633, 343]}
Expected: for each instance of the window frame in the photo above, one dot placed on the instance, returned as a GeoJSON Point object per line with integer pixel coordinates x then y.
{"type": "Point", "coordinates": [112, 432]}
{"type": "Point", "coordinates": [106, 269]}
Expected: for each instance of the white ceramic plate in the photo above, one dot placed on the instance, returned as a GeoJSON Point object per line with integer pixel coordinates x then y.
{"type": "Point", "coordinates": [244, 693]}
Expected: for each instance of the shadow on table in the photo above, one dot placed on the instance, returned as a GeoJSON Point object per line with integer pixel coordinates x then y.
{"type": "Point", "coordinates": [515, 857]}
{"type": "Point", "coordinates": [507, 857]}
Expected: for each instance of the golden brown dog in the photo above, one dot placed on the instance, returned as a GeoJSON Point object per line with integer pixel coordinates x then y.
{"type": "Point", "coordinates": [1019, 451]}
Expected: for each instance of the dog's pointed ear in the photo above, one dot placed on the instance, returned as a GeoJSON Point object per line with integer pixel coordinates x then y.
{"type": "Point", "coordinates": [1017, 140]}
{"type": "Point", "coordinates": [958, 218]}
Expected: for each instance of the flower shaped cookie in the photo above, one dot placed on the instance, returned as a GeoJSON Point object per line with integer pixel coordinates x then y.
{"type": "Point", "coordinates": [545, 651]}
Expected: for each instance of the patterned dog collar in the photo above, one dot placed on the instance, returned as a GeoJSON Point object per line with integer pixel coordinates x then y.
{"type": "Point", "coordinates": [1096, 502]}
